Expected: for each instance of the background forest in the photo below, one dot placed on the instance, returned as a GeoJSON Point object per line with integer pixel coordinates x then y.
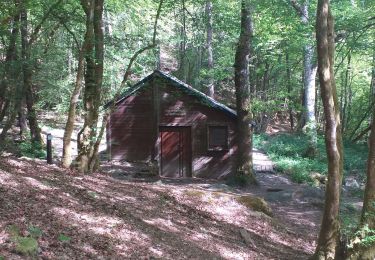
{"type": "Point", "coordinates": [66, 59]}
{"type": "Point", "coordinates": [280, 63]}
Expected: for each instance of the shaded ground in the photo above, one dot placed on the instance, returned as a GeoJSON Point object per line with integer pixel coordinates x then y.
{"type": "Point", "coordinates": [113, 216]}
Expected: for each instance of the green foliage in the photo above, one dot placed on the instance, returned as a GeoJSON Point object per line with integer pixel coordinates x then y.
{"type": "Point", "coordinates": [32, 150]}
{"type": "Point", "coordinates": [64, 238]}
{"type": "Point", "coordinates": [25, 245]}
{"type": "Point", "coordinates": [364, 237]}
{"type": "Point", "coordinates": [35, 232]}
{"type": "Point", "coordinates": [288, 153]}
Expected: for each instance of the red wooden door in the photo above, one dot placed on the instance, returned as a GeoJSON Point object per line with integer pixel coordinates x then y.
{"type": "Point", "coordinates": [175, 152]}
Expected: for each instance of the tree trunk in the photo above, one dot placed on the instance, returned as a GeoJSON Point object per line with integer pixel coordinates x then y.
{"type": "Point", "coordinates": [308, 121]}
{"type": "Point", "coordinates": [241, 79]}
{"type": "Point", "coordinates": [22, 121]}
{"type": "Point", "coordinates": [69, 126]}
{"type": "Point", "coordinates": [328, 241]}
{"type": "Point", "coordinates": [93, 82]}
{"type": "Point", "coordinates": [9, 86]}
{"type": "Point", "coordinates": [289, 84]}
{"type": "Point", "coordinates": [309, 92]}
{"type": "Point", "coordinates": [210, 60]}
{"type": "Point", "coordinates": [368, 210]}
{"type": "Point", "coordinates": [35, 131]}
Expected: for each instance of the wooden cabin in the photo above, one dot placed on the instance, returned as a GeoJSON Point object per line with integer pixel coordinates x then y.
{"type": "Point", "coordinates": [180, 129]}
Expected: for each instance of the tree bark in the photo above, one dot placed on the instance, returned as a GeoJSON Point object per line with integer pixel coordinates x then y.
{"type": "Point", "coordinates": [93, 82]}
{"type": "Point", "coordinates": [244, 164]}
{"type": "Point", "coordinates": [309, 93]}
{"type": "Point", "coordinates": [328, 241]}
{"type": "Point", "coordinates": [210, 58]}
{"type": "Point", "coordinates": [289, 84]}
{"type": "Point", "coordinates": [69, 126]}
{"type": "Point", "coordinates": [10, 106]}
{"type": "Point", "coordinates": [368, 211]}
{"type": "Point", "coordinates": [309, 75]}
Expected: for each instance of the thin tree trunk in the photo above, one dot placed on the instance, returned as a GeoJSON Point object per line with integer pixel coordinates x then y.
{"type": "Point", "coordinates": [289, 84]}
{"type": "Point", "coordinates": [94, 163]}
{"type": "Point", "coordinates": [69, 126]}
{"type": "Point", "coordinates": [309, 91]}
{"type": "Point", "coordinates": [22, 121]}
{"type": "Point", "coordinates": [368, 210]}
{"type": "Point", "coordinates": [328, 241]}
{"type": "Point", "coordinates": [241, 79]}
{"type": "Point", "coordinates": [308, 122]}
{"type": "Point", "coordinates": [210, 60]}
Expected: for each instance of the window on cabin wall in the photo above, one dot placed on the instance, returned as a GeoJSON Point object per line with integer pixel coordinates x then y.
{"type": "Point", "coordinates": [217, 137]}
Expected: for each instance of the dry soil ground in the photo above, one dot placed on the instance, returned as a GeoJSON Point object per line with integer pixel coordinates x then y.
{"type": "Point", "coordinates": [111, 215]}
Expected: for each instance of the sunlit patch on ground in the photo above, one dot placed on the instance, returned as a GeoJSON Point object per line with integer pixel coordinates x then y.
{"type": "Point", "coordinates": [97, 216]}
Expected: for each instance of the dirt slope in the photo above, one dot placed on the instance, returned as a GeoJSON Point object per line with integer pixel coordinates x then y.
{"type": "Point", "coordinates": [106, 216]}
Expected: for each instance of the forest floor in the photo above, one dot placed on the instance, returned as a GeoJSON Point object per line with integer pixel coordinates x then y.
{"type": "Point", "coordinates": [111, 215]}
{"type": "Point", "coordinates": [47, 212]}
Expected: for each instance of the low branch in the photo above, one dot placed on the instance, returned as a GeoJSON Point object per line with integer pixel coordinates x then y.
{"type": "Point", "coordinates": [34, 34]}
{"type": "Point", "coordinates": [361, 134]}
{"type": "Point", "coordinates": [297, 7]}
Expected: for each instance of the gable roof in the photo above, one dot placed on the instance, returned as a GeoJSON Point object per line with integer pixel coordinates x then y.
{"type": "Point", "coordinates": [203, 98]}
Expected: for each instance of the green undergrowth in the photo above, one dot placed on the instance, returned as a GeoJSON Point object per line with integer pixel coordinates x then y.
{"type": "Point", "coordinates": [32, 150]}
{"type": "Point", "coordinates": [288, 151]}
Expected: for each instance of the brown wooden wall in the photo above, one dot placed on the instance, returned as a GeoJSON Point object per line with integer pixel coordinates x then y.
{"type": "Point", "coordinates": [132, 133]}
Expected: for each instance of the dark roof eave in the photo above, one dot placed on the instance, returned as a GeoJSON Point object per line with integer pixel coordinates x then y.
{"type": "Point", "coordinates": [210, 101]}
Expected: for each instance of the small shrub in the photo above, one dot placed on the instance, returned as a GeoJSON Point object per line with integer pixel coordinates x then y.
{"type": "Point", "coordinates": [288, 152]}
{"type": "Point", "coordinates": [35, 232]}
{"type": "Point", "coordinates": [26, 245]}
{"type": "Point", "coordinates": [64, 238]}
{"type": "Point", "coordinates": [32, 150]}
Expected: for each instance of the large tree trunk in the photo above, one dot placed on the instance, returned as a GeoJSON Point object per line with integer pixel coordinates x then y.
{"type": "Point", "coordinates": [9, 86]}
{"type": "Point", "coordinates": [93, 82]}
{"type": "Point", "coordinates": [69, 126]}
{"type": "Point", "coordinates": [35, 131]}
{"type": "Point", "coordinates": [241, 78]}
{"type": "Point", "coordinates": [328, 242]}
{"type": "Point", "coordinates": [210, 58]}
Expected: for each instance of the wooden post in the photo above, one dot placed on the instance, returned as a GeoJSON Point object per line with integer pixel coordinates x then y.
{"type": "Point", "coordinates": [49, 148]}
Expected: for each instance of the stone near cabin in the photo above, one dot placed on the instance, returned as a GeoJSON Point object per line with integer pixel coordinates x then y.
{"type": "Point", "coordinates": [255, 203]}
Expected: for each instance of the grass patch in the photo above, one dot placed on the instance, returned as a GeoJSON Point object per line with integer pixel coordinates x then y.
{"type": "Point", "coordinates": [64, 238]}
{"type": "Point", "coordinates": [25, 245]}
{"type": "Point", "coordinates": [288, 153]}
